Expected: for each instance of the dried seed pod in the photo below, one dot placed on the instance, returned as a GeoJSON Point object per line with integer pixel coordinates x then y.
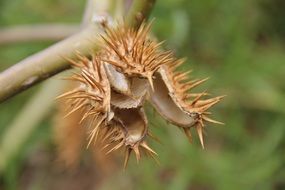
{"type": "Point", "coordinates": [130, 131]}
{"type": "Point", "coordinates": [119, 82]}
{"type": "Point", "coordinates": [93, 94]}
{"type": "Point", "coordinates": [165, 105]}
{"type": "Point", "coordinates": [114, 84]}
{"type": "Point", "coordinates": [179, 86]}
{"type": "Point", "coordinates": [139, 89]}
{"type": "Point", "coordinates": [132, 52]}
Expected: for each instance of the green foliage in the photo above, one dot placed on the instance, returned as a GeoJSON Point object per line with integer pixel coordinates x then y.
{"type": "Point", "coordinates": [240, 45]}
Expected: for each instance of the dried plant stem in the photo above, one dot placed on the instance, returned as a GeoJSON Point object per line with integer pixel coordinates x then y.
{"type": "Point", "coordinates": [41, 32]}
{"type": "Point", "coordinates": [49, 62]}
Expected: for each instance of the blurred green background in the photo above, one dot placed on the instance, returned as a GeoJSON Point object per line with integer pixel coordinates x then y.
{"type": "Point", "coordinates": [239, 44]}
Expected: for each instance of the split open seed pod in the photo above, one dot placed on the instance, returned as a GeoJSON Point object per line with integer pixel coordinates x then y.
{"type": "Point", "coordinates": [115, 83]}
{"type": "Point", "coordinates": [138, 92]}
{"type": "Point", "coordinates": [173, 99]}
{"type": "Point", "coordinates": [130, 132]}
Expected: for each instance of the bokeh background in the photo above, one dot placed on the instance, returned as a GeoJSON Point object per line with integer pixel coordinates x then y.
{"type": "Point", "coordinates": [239, 44]}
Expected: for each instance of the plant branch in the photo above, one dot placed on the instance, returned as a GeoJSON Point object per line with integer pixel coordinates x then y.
{"type": "Point", "coordinates": [95, 7]}
{"type": "Point", "coordinates": [44, 64]}
{"type": "Point", "coordinates": [139, 11]}
{"type": "Point", "coordinates": [49, 62]}
{"type": "Point", "coordinates": [43, 32]}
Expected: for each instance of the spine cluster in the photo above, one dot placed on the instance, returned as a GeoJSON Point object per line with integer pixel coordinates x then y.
{"type": "Point", "coordinates": [114, 84]}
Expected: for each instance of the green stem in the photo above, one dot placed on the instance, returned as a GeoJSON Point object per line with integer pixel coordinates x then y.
{"type": "Point", "coordinates": [139, 11]}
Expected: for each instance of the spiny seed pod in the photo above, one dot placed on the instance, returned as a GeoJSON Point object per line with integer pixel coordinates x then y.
{"type": "Point", "coordinates": [132, 52]}
{"type": "Point", "coordinates": [179, 86]}
{"type": "Point", "coordinates": [130, 131]}
{"type": "Point", "coordinates": [93, 95]}
{"type": "Point", "coordinates": [113, 86]}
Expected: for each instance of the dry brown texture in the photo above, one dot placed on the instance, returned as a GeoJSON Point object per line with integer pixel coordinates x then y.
{"type": "Point", "coordinates": [132, 52]}
{"type": "Point", "coordinates": [92, 96]}
{"type": "Point", "coordinates": [115, 83]}
{"type": "Point", "coordinates": [193, 104]}
{"type": "Point", "coordinates": [130, 131]}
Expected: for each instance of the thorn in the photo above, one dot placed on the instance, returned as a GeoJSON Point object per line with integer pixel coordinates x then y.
{"type": "Point", "coordinates": [85, 116]}
{"type": "Point", "coordinates": [74, 78]}
{"type": "Point", "coordinates": [197, 98]}
{"type": "Point", "coordinates": [71, 61]}
{"type": "Point", "coordinates": [108, 134]}
{"type": "Point", "coordinates": [194, 95]}
{"type": "Point", "coordinates": [188, 134]}
{"type": "Point", "coordinates": [145, 146]}
{"type": "Point", "coordinates": [68, 93]}
{"type": "Point", "coordinates": [127, 156]}
{"type": "Point", "coordinates": [113, 63]}
{"type": "Point", "coordinates": [191, 84]}
{"type": "Point", "coordinates": [115, 147]}
{"type": "Point", "coordinates": [137, 152]}
{"type": "Point", "coordinates": [211, 120]}
{"type": "Point", "coordinates": [96, 128]}
{"type": "Point", "coordinates": [92, 134]}
{"type": "Point", "coordinates": [114, 48]}
{"type": "Point", "coordinates": [153, 157]}
{"type": "Point", "coordinates": [199, 129]}
{"type": "Point", "coordinates": [158, 44]}
{"type": "Point", "coordinates": [149, 77]}
{"type": "Point", "coordinates": [177, 63]}
{"type": "Point", "coordinates": [202, 103]}
{"type": "Point", "coordinates": [179, 76]}
{"type": "Point", "coordinates": [73, 110]}
{"type": "Point", "coordinates": [206, 107]}
{"type": "Point", "coordinates": [106, 146]}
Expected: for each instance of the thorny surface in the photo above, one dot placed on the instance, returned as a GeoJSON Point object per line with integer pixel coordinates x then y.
{"type": "Point", "coordinates": [114, 84]}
